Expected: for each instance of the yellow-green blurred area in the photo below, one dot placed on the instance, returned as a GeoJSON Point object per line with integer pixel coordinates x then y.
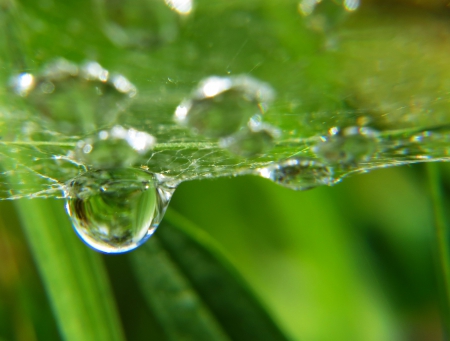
{"type": "Point", "coordinates": [349, 262]}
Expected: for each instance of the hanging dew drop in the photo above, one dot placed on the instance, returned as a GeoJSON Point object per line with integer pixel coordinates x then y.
{"type": "Point", "coordinates": [116, 210]}
{"type": "Point", "coordinates": [298, 174]}
{"type": "Point", "coordinates": [220, 106]}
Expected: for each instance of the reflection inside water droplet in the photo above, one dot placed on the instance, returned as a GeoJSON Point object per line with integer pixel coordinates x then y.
{"type": "Point", "coordinates": [116, 210]}
{"type": "Point", "coordinates": [298, 174]}
{"type": "Point", "coordinates": [347, 146]}
{"type": "Point", "coordinates": [252, 140]}
{"type": "Point", "coordinates": [221, 105]}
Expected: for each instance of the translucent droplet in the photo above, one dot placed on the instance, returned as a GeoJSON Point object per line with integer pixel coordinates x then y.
{"type": "Point", "coordinates": [298, 174]}
{"type": "Point", "coordinates": [348, 146]}
{"type": "Point", "coordinates": [221, 105]}
{"type": "Point", "coordinates": [256, 138]}
{"type": "Point", "coordinates": [117, 147]}
{"type": "Point", "coordinates": [75, 99]}
{"type": "Point", "coordinates": [116, 210]}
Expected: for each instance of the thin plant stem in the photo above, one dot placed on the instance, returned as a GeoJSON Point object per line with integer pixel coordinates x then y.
{"type": "Point", "coordinates": [441, 242]}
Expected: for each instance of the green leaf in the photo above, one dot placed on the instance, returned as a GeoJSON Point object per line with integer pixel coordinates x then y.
{"type": "Point", "coordinates": [194, 291]}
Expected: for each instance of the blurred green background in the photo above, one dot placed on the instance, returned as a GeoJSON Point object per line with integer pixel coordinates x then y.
{"type": "Point", "coordinates": [349, 262]}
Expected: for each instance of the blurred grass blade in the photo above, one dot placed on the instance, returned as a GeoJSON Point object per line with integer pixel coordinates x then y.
{"type": "Point", "coordinates": [73, 275]}
{"type": "Point", "coordinates": [442, 242]}
{"type": "Point", "coordinates": [181, 265]}
{"type": "Point", "coordinates": [174, 302]}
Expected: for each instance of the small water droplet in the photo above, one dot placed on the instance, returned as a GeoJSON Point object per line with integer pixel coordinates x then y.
{"type": "Point", "coordinates": [219, 106]}
{"type": "Point", "coordinates": [117, 147]}
{"type": "Point", "coordinates": [116, 210]}
{"type": "Point", "coordinates": [347, 146]}
{"type": "Point", "coordinates": [298, 174]}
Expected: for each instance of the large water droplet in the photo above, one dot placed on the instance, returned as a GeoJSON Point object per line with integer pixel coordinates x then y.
{"type": "Point", "coordinates": [219, 106]}
{"type": "Point", "coordinates": [75, 99]}
{"type": "Point", "coordinates": [114, 148]}
{"type": "Point", "coordinates": [298, 174]}
{"type": "Point", "coordinates": [116, 210]}
{"type": "Point", "coordinates": [347, 146]}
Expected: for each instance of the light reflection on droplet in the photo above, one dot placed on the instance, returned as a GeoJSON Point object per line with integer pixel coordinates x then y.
{"type": "Point", "coordinates": [123, 85]}
{"type": "Point", "coordinates": [93, 71]}
{"type": "Point", "coordinates": [213, 86]}
{"type": "Point", "coordinates": [23, 83]}
{"type": "Point", "coordinates": [183, 7]}
{"type": "Point", "coordinates": [220, 106]}
{"type": "Point", "coordinates": [58, 70]}
{"type": "Point", "coordinates": [306, 7]}
{"type": "Point", "coordinates": [351, 5]}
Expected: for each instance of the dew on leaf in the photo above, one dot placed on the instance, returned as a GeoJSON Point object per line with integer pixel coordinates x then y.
{"type": "Point", "coordinates": [347, 146]}
{"type": "Point", "coordinates": [116, 210]}
{"type": "Point", "coordinates": [298, 173]}
{"type": "Point", "coordinates": [72, 99]}
{"type": "Point", "coordinates": [117, 147]}
{"type": "Point", "coordinates": [219, 106]}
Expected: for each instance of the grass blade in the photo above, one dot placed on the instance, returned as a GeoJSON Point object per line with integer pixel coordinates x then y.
{"type": "Point", "coordinates": [210, 279]}
{"type": "Point", "coordinates": [442, 245]}
{"type": "Point", "coordinates": [73, 275]}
